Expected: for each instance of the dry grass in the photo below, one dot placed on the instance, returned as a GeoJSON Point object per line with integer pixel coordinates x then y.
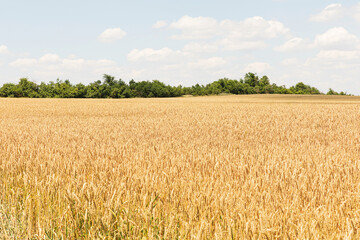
{"type": "Point", "coordinates": [232, 167]}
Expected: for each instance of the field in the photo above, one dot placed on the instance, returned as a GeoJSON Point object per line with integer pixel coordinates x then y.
{"type": "Point", "coordinates": [225, 167]}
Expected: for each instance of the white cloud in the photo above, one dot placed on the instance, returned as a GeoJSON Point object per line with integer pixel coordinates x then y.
{"type": "Point", "coordinates": [232, 44]}
{"type": "Point", "coordinates": [289, 61]}
{"type": "Point", "coordinates": [336, 56]}
{"type": "Point", "coordinates": [111, 35]}
{"type": "Point", "coordinates": [254, 28]}
{"type": "Point", "coordinates": [50, 67]}
{"type": "Point", "coordinates": [196, 47]}
{"type": "Point", "coordinates": [337, 11]}
{"type": "Point", "coordinates": [337, 38]}
{"type": "Point", "coordinates": [196, 27]}
{"type": "Point", "coordinates": [3, 49]}
{"type": "Point", "coordinates": [257, 67]}
{"type": "Point", "coordinates": [250, 33]}
{"type": "Point", "coordinates": [76, 64]}
{"type": "Point", "coordinates": [213, 62]}
{"type": "Point", "coordinates": [327, 68]}
{"type": "Point", "coordinates": [356, 12]}
{"type": "Point", "coordinates": [331, 12]}
{"type": "Point", "coordinates": [72, 56]}
{"type": "Point", "coordinates": [54, 63]}
{"type": "Point", "coordinates": [49, 58]}
{"type": "Point", "coordinates": [294, 44]}
{"type": "Point", "coordinates": [160, 24]}
{"type": "Point", "coordinates": [24, 62]}
{"type": "Point", "coordinates": [152, 55]}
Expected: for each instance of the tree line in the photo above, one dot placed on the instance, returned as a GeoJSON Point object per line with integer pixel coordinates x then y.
{"type": "Point", "coordinates": [110, 87]}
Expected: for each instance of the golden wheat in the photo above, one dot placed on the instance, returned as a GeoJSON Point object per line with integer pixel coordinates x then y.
{"type": "Point", "coordinates": [230, 167]}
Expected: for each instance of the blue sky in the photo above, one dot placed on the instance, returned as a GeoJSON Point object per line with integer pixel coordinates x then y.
{"type": "Point", "coordinates": [182, 42]}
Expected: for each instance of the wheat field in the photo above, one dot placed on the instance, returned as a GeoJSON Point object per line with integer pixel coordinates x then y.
{"type": "Point", "coordinates": [225, 167]}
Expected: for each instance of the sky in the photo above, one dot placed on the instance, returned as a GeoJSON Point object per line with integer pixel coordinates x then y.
{"type": "Point", "coordinates": [182, 42]}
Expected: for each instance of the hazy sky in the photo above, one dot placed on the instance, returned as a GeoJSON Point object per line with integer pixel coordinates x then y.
{"type": "Point", "coordinates": [182, 42]}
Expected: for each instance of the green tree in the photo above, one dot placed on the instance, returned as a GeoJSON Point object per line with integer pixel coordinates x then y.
{"type": "Point", "coordinates": [252, 79]}
{"type": "Point", "coordinates": [109, 87]}
{"type": "Point", "coordinates": [332, 92]}
{"type": "Point", "coordinates": [28, 88]}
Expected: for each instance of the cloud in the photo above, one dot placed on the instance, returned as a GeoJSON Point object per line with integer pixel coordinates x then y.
{"type": "Point", "coordinates": [49, 58]}
{"type": "Point", "coordinates": [355, 12]}
{"type": "Point", "coordinates": [331, 12]}
{"type": "Point", "coordinates": [336, 56]}
{"type": "Point", "coordinates": [3, 49]}
{"type": "Point", "coordinates": [195, 47]}
{"type": "Point", "coordinates": [326, 68]}
{"type": "Point", "coordinates": [152, 55]}
{"type": "Point", "coordinates": [233, 44]}
{"type": "Point", "coordinates": [111, 35]}
{"type": "Point", "coordinates": [294, 44]}
{"type": "Point", "coordinates": [74, 64]}
{"type": "Point", "coordinates": [213, 62]}
{"type": "Point", "coordinates": [24, 62]}
{"type": "Point", "coordinates": [229, 35]}
{"type": "Point", "coordinates": [336, 11]}
{"type": "Point", "coordinates": [51, 66]}
{"type": "Point", "coordinates": [258, 67]}
{"type": "Point", "coordinates": [289, 61]}
{"type": "Point", "coordinates": [337, 38]}
{"type": "Point", "coordinates": [160, 24]}
{"type": "Point", "coordinates": [196, 27]}
{"type": "Point", "coordinates": [254, 28]}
